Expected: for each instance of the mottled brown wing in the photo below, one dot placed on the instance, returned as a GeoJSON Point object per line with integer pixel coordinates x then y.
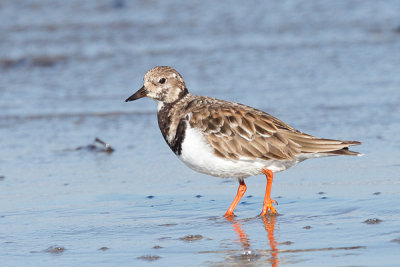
{"type": "Point", "coordinates": [237, 131]}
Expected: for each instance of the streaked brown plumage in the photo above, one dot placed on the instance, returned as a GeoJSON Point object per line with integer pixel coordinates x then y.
{"type": "Point", "coordinates": [228, 139]}
{"type": "Point", "coordinates": [235, 130]}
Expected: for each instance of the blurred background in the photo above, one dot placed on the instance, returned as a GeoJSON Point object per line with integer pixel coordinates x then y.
{"type": "Point", "coordinates": [328, 68]}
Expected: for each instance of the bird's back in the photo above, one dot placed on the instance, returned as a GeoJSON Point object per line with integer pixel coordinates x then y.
{"type": "Point", "coordinates": [238, 131]}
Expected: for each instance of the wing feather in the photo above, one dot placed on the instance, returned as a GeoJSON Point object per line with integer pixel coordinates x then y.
{"type": "Point", "coordinates": [237, 131]}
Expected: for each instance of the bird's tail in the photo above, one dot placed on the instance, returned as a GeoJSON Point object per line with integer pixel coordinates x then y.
{"type": "Point", "coordinates": [312, 144]}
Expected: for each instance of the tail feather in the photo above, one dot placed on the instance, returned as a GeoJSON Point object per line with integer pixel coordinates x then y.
{"type": "Point", "coordinates": [343, 151]}
{"type": "Point", "coordinates": [311, 144]}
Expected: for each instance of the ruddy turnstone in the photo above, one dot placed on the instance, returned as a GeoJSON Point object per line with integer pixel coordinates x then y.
{"type": "Point", "coordinates": [227, 139]}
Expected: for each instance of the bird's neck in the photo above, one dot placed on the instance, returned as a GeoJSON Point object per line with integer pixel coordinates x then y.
{"type": "Point", "coordinates": [172, 121]}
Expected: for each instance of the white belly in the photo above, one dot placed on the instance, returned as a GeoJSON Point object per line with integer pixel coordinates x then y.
{"type": "Point", "coordinates": [198, 155]}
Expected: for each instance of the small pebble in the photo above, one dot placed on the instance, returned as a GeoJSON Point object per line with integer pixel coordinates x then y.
{"type": "Point", "coordinates": [150, 197]}
{"type": "Point", "coordinates": [323, 197]}
{"type": "Point", "coordinates": [307, 227]}
{"type": "Point", "coordinates": [157, 247]}
{"type": "Point", "coordinates": [321, 193]}
{"type": "Point", "coordinates": [149, 257]}
{"type": "Point", "coordinates": [104, 248]}
{"type": "Point", "coordinates": [190, 238]}
{"type": "Point", "coordinates": [373, 221]}
{"type": "Point", "coordinates": [199, 196]}
{"type": "Point", "coordinates": [377, 193]}
{"type": "Point", "coordinates": [288, 243]}
{"type": "Point", "coordinates": [55, 250]}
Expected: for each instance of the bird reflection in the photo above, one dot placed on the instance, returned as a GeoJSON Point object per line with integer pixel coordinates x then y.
{"type": "Point", "coordinates": [243, 237]}
{"type": "Point", "coordinates": [269, 225]}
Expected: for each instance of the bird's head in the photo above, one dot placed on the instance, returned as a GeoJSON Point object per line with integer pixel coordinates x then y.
{"type": "Point", "coordinates": [163, 84]}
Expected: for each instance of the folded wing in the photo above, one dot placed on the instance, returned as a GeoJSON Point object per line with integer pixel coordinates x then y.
{"type": "Point", "coordinates": [238, 132]}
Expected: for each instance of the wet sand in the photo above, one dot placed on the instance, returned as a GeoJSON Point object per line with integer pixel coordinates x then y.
{"type": "Point", "coordinates": [326, 68]}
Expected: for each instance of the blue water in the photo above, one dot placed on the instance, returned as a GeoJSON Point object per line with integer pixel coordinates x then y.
{"type": "Point", "coordinates": [329, 68]}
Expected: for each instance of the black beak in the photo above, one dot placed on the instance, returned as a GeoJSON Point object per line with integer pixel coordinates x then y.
{"type": "Point", "coordinates": [139, 94]}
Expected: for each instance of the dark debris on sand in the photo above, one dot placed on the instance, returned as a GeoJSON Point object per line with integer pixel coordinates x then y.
{"type": "Point", "coordinates": [191, 238]}
{"type": "Point", "coordinates": [287, 243]}
{"type": "Point", "coordinates": [55, 250]}
{"type": "Point", "coordinates": [149, 257]}
{"type": "Point", "coordinates": [373, 221]}
{"type": "Point", "coordinates": [106, 148]}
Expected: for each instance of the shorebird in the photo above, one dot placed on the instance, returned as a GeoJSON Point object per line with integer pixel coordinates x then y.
{"type": "Point", "coordinates": [227, 139]}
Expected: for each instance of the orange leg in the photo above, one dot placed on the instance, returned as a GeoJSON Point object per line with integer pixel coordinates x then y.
{"type": "Point", "coordinates": [267, 199]}
{"type": "Point", "coordinates": [240, 193]}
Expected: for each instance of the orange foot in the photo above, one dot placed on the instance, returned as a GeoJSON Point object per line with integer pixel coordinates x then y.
{"type": "Point", "coordinates": [268, 207]}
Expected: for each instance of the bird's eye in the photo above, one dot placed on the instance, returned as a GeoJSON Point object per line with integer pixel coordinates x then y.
{"type": "Point", "coordinates": [162, 80]}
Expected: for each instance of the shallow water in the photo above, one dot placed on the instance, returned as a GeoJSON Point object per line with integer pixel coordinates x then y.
{"type": "Point", "coordinates": [329, 68]}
